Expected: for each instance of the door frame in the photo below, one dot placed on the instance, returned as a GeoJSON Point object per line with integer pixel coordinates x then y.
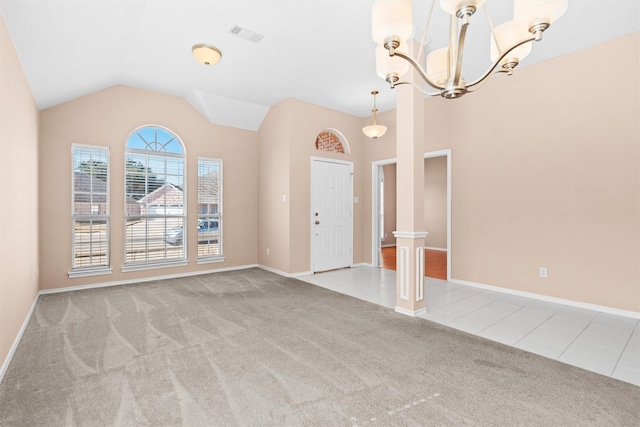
{"type": "Point", "coordinates": [376, 244]}
{"type": "Point", "coordinates": [311, 201]}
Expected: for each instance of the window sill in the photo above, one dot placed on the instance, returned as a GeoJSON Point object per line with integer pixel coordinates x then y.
{"type": "Point", "coordinates": [140, 267]}
{"type": "Point", "coordinates": [210, 260]}
{"type": "Point", "coordinates": [86, 272]}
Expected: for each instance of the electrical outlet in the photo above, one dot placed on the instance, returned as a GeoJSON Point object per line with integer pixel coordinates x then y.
{"type": "Point", "coordinates": [543, 272]}
{"type": "Point", "coordinates": [267, 251]}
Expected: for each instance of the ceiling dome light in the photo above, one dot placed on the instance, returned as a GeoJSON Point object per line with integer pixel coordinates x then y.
{"type": "Point", "coordinates": [206, 54]}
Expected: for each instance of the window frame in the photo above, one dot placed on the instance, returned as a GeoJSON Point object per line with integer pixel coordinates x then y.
{"type": "Point", "coordinates": [212, 217]}
{"type": "Point", "coordinates": [159, 263]}
{"type": "Point", "coordinates": [102, 268]}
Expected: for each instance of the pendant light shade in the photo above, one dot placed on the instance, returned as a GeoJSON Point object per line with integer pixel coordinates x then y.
{"type": "Point", "coordinates": [375, 130]}
{"type": "Point", "coordinates": [391, 18]}
{"type": "Point", "coordinates": [390, 65]}
{"type": "Point", "coordinates": [438, 65]}
{"type": "Point", "coordinates": [533, 11]}
{"type": "Point", "coordinates": [508, 34]}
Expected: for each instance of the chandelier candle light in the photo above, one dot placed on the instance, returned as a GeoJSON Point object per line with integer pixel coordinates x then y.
{"type": "Point", "coordinates": [375, 130]}
{"type": "Point", "coordinates": [392, 25]}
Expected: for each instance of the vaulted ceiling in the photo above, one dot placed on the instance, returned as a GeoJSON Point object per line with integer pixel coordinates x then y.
{"type": "Point", "coordinates": [316, 51]}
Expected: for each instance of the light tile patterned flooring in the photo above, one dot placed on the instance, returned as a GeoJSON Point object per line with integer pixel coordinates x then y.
{"type": "Point", "coordinates": [592, 340]}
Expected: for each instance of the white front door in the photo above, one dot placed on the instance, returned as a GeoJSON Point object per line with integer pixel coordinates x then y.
{"type": "Point", "coordinates": [331, 214]}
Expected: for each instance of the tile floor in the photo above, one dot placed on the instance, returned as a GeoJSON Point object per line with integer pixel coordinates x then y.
{"type": "Point", "coordinates": [599, 342]}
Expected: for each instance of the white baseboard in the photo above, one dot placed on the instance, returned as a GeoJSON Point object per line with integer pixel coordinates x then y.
{"type": "Point", "coordinates": [436, 249]}
{"type": "Point", "coordinates": [7, 360]}
{"type": "Point", "coordinates": [547, 298]}
{"type": "Point", "coordinates": [144, 279]}
{"type": "Point", "coordinates": [362, 264]}
{"type": "Point", "coordinates": [282, 273]}
{"type": "Point", "coordinates": [392, 245]}
{"type": "Point", "coordinates": [307, 273]}
{"type": "Point", "coordinates": [411, 313]}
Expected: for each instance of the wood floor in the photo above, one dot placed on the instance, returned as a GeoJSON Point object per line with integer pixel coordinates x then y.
{"type": "Point", "coordinates": [435, 262]}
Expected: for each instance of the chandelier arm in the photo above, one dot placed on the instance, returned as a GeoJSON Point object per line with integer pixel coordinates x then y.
{"type": "Point", "coordinates": [418, 68]}
{"type": "Point", "coordinates": [460, 51]}
{"type": "Point", "coordinates": [497, 62]}
{"type": "Point", "coordinates": [482, 83]}
{"type": "Point", "coordinates": [415, 86]}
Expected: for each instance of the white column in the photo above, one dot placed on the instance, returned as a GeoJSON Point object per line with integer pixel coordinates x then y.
{"type": "Point", "coordinates": [410, 234]}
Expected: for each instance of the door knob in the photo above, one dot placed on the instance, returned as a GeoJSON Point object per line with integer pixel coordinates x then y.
{"type": "Point", "coordinates": [317, 222]}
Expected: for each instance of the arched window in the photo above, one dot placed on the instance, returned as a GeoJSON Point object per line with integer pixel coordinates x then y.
{"type": "Point", "coordinates": [155, 208]}
{"type": "Point", "coordinates": [332, 141]}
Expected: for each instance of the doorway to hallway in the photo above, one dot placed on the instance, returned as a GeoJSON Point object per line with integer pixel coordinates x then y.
{"type": "Point", "coordinates": [438, 251]}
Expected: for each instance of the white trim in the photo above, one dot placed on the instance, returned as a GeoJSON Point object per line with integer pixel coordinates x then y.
{"type": "Point", "coordinates": [410, 234]}
{"type": "Point", "coordinates": [388, 246]}
{"type": "Point", "coordinates": [341, 137]}
{"type": "Point", "coordinates": [363, 264]}
{"type": "Point", "coordinates": [406, 312]}
{"type": "Point", "coordinates": [282, 273]}
{"type": "Point", "coordinates": [144, 279]}
{"type": "Point", "coordinates": [403, 265]}
{"type": "Point", "coordinates": [442, 153]}
{"type": "Point", "coordinates": [547, 298]}
{"type": "Point", "coordinates": [429, 248]}
{"type": "Point", "coordinates": [419, 274]}
{"type": "Point", "coordinates": [153, 266]}
{"type": "Point", "coordinates": [210, 260]}
{"type": "Point", "coordinates": [73, 274]}
{"type": "Point", "coordinates": [12, 350]}
{"type": "Point", "coordinates": [375, 208]}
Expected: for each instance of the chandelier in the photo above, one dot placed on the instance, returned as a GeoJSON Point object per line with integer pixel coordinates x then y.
{"type": "Point", "coordinates": [392, 25]}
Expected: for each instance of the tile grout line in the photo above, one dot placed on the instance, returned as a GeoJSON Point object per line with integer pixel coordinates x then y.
{"type": "Point", "coordinates": [635, 328]}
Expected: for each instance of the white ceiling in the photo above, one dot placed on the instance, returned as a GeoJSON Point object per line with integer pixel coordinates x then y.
{"type": "Point", "coordinates": [316, 51]}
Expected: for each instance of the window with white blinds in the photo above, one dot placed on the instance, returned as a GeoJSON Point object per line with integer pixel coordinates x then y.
{"type": "Point", "coordinates": [155, 208]}
{"type": "Point", "coordinates": [209, 227]}
{"type": "Point", "coordinates": [90, 210]}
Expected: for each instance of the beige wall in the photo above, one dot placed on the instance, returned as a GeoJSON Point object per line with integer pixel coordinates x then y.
{"type": "Point", "coordinates": [18, 195]}
{"type": "Point", "coordinates": [289, 132]}
{"type": "Point", "coordinates": [106, 118]}
{"type": "Point", "coordinates": [545, 173]}
{"type": "Point", "coordinates": [435, 201]}
{"type": "Point", "coordinates": [273, 184]}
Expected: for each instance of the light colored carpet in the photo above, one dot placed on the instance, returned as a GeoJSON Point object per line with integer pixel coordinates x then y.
{"type": "Point", "coordinates": [254, 348]}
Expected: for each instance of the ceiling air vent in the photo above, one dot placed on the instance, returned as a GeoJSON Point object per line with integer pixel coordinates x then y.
{"type": "Point", "coordinates": [243, 33]}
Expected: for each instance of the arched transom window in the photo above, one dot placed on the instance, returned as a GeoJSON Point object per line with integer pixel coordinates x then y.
{"type": "Point", "coordinates": [155, 208]}
{"type": "Point", "coordinates": [332, 141]}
